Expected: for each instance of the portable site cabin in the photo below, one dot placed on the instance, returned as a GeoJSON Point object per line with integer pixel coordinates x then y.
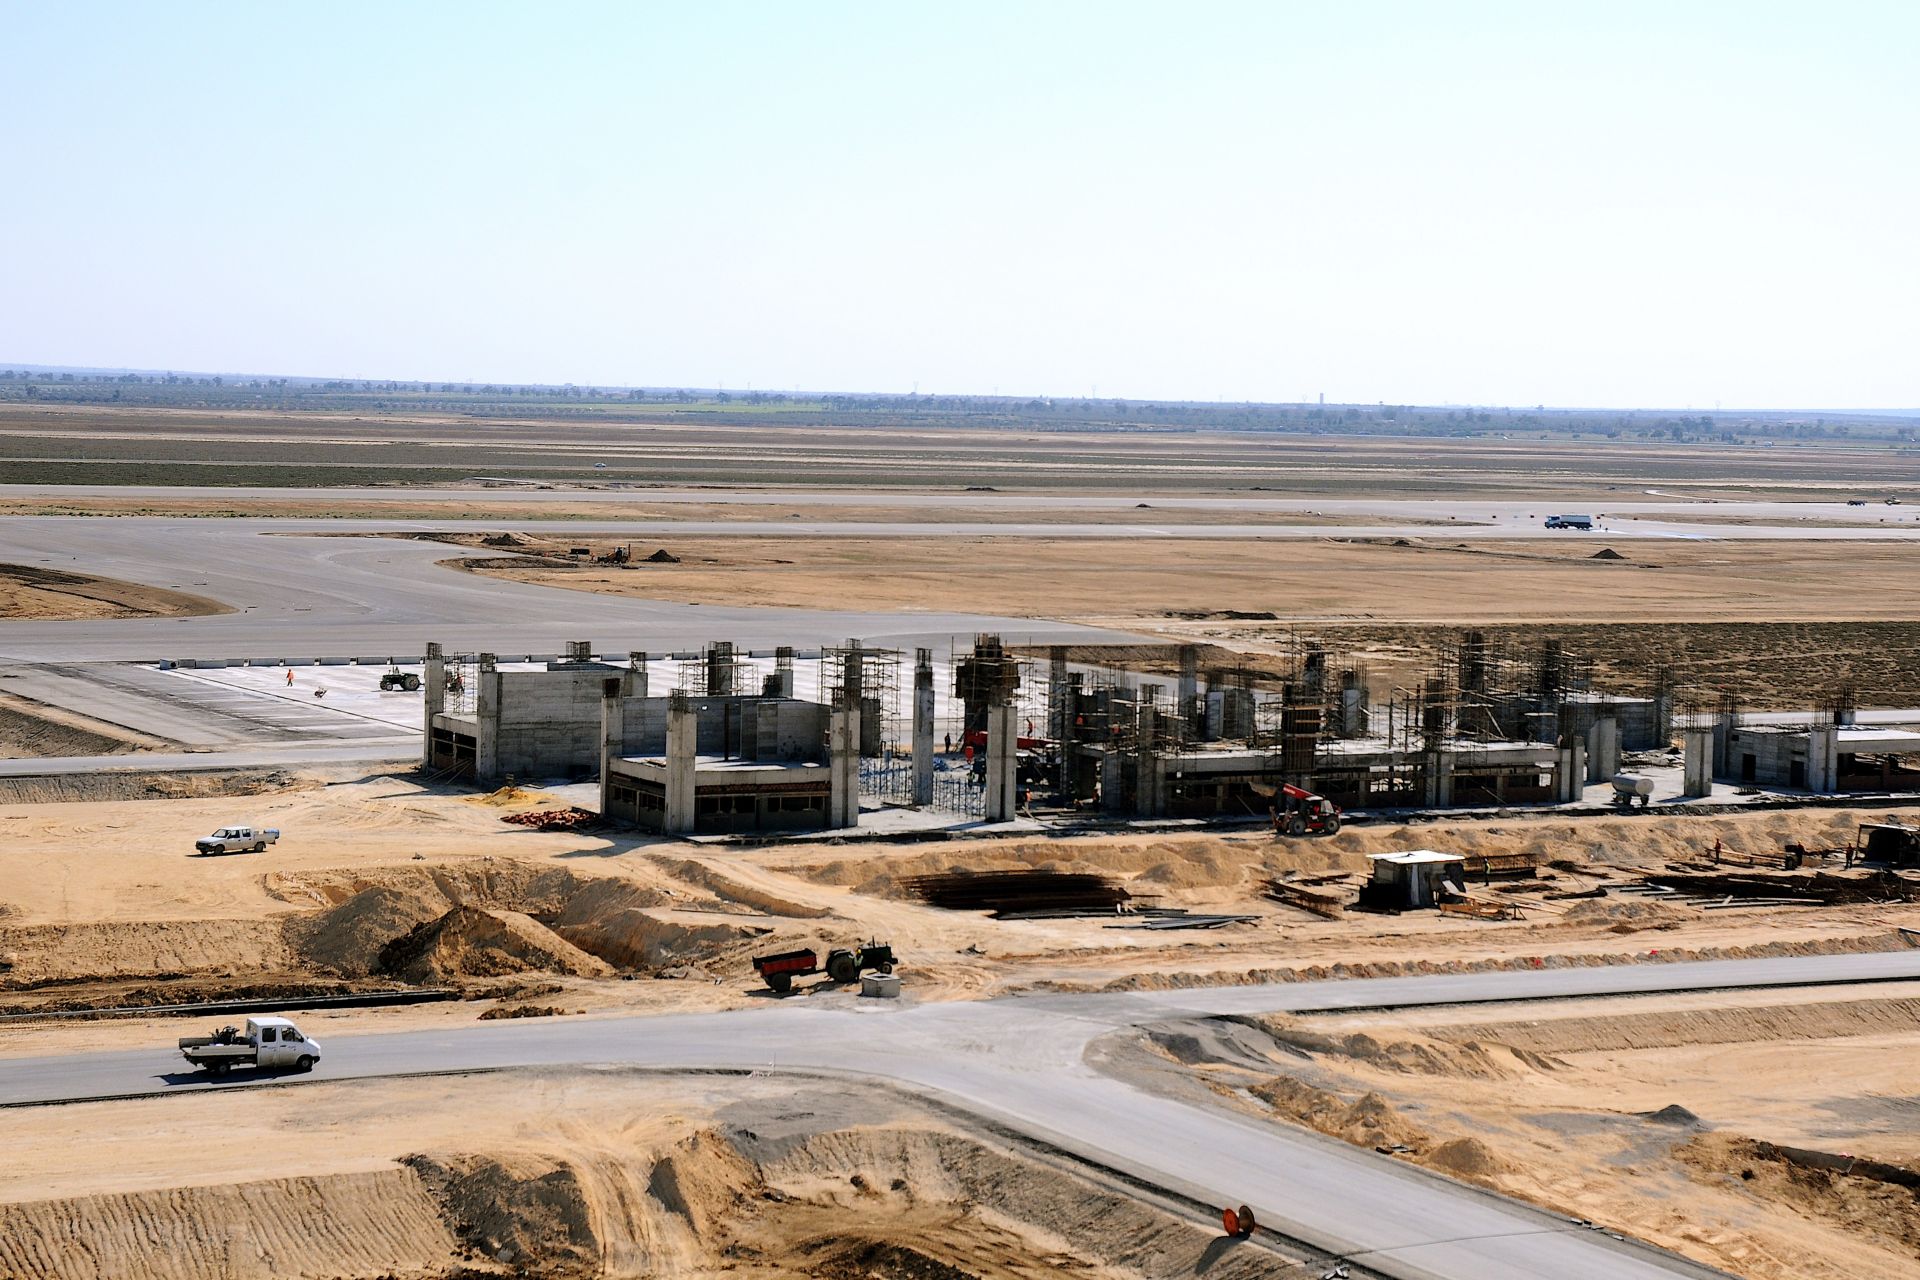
{"type": "Point", "coordinates": [1414, 879]}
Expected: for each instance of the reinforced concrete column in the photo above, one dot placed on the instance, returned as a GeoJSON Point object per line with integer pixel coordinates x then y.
{"type": "Point", "coordinates": [435, 690]}
{"type": "Point", "coordinates": [486, 721]}
{"type": "Point", "coordinates": [843, 766]}
{"type": "Point", "coordinates": [923, 727]}
{"type": "Point", "coordinates": [1059, 698]}
{"type": "Point", "coordinates": [683, 748]}
{"type": "Point", "coordinates": [1823, 760]}
{"type": "Point", "coordinates": [780, 683]}
{"type": "Point", "coordinates": [1003, 764]}
{"type": "Point", "coordinates": [1570, 769]}
{"type": "Point", "coordinates": [613, 735]}
{"type": "Point", "coordinates": [637, 672]}
{"type": "Point", "coordinates": [1698, 774]}
{"type": "Point", "coordinates": [1603, 749]}
{"type": "Point", "coordinates": [1439, 778]}
{"type": "Point", "coordinates": [720, 669]}
{"type": "Point", "coordinates": [1187, 708]}
{"type": "Point", "coordinates": [1150, 800]}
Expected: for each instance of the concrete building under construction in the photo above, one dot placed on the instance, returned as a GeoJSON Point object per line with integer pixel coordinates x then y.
{"type": "Point", "coordinates": [736, 744]}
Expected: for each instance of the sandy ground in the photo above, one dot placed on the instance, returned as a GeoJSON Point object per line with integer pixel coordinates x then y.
{"type": "Point", "coordinates": [1149, 582]}
{"type": "Point", "coordinates": [103, 904]}
{"type": "Point", "coordinates": [53, 595]}
{"type": "Point", "coordinates": [584, 506]}
{"type": "Point", "coordinates": [93, 443]}
{"type": "Point", "coordinates": [1642, 1114]}
{"type": "Point", "coordinates": [565, 1174]}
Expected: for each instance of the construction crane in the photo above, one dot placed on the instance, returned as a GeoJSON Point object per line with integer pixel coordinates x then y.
{"type": "Point", "coordinates": [1303, 812]}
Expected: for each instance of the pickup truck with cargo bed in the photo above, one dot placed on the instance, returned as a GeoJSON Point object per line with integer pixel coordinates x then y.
{"type": "Point", "coordinates": [272, 1044]}
{"type": "Point", "coordinates": [237, 840]}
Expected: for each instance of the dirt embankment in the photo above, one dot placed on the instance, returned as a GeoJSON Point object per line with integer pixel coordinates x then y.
{"type": "Point", "coordinates": [30, 729]}
{"type": "Point", "coordinates": [904, 1201]}
{"type": "Point", "coordinates": [1621, 1112]}
{"type": "Point", "coordinates": [49, 595]}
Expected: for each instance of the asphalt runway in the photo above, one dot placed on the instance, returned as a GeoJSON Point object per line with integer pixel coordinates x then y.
{"type": "Point", "coordinates": [300, 594]}
{"type": "Point", "coordinates": [1023, 1061]}
{"type": "Point", "coordinates": [323, 596]}
{"type": "Point", "coordinates": [1630, 505]}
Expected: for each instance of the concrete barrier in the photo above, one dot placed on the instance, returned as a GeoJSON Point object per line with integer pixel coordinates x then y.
{"type": "Point", "coordinates": [334, 662]}
{"type": "Point", "coordinates": [265, 662]}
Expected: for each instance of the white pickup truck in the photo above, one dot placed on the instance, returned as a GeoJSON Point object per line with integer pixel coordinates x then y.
{"type": "Point", "coordinates": [237, 840]}
{"type": "Point", "coordinates": [272, 1044]}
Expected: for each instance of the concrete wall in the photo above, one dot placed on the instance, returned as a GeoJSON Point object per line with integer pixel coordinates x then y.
{"type": "Point", "coordinates": [541, 724]}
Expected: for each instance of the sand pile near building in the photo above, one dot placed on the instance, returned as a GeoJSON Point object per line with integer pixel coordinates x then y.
{"type": "Point", "coordinates": [475, 942]}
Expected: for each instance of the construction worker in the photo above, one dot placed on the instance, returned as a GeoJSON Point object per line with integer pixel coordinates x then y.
{"type": "Point", "coordinates": [289, 677]}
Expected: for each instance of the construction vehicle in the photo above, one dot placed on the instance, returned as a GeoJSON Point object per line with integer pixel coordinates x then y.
{"type": "Point", "coordinates": [237, 840]}
{"type": "Point", "coordinates": [1303, 812]}
{"type": "Point", "coordinates": [394, 678]}
{"type": "Point", "coordinates": [1569, 522]}
{"type": "Point", "coordinates": [844, 964]}
{"type": "Point", "coordinates": [268, 1043]}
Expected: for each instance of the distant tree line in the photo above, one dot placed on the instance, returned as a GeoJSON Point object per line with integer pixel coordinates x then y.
{"type": "Point", "coordinates": [656, 404]}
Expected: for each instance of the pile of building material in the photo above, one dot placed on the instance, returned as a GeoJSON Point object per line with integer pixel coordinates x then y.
{"type": "Point", "coordinates": [1816, 890]}
{"type": "Point", "coordinates": [1319, 901]}
{"type": "Point", "coordinates": [568, 819]}
{"type": "Point", "coordinates": [1020, 895]}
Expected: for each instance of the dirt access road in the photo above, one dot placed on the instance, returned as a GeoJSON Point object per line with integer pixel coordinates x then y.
{"type": "Point", "coordinates": [1023, 1062]}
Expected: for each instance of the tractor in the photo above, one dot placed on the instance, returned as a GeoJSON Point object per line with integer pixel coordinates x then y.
{"type": "Point", "coordinates": [394, 678]}
{"type": "Point", "coordinates": [844, 964]}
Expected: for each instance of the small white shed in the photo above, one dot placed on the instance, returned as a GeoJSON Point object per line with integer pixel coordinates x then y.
{"type": "Point", "coordinates": [1415, 878]}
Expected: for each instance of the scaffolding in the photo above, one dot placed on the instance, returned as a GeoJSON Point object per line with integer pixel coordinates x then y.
{"type": "Point", "coordinates": [463, 670]}
{"type": "Point", "coordinates": [869, 679]}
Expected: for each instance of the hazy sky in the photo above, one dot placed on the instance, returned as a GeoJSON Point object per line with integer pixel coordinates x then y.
{"type": "Point", "coordinates": [1606, 204]}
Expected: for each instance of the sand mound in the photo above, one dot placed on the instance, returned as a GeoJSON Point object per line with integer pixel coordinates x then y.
{"type": "Point", "coordinates": [357, 1224]}
{"type": "Point", "coordinates": [530, 1212]}
{"type": "Point", "coordinates": [1467, 1158]}
{"type": "Point", "coordinates": [510, 797]}
{"type": "Point", "coordinates": [1676, 1115]}
{"type": "Point", "coordinates": [347, 939]}
{"type": "Point", "coordinates": [652, 939]}
{"type": "Point", "coordinates": [1369, 1121]}
{"type": "Point", "coordinates": [1628, 916]}
{"type": "Point", "coordinates": [1606, 553]}
{"type": "Point", "coordinates": [473, 942]}
{"type": "Point", "coordinates": [1866, 1209]}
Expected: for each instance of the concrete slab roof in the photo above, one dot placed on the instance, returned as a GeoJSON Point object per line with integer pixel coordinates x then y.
{"type": "Point", "coordinates": [1876, 739]}
{"type": "Point", "coordinates": [1415, 857]}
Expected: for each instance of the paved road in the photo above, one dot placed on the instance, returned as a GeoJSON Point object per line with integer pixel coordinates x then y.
{"type": "Point", "coordinates": [1626, 505]}
{"type": "Point", "coordinates": [321, 596]}
{"type": "Point", "coordinates": [1023, 1061]}
{"type": "Point", "coordinates": [399, 752]}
